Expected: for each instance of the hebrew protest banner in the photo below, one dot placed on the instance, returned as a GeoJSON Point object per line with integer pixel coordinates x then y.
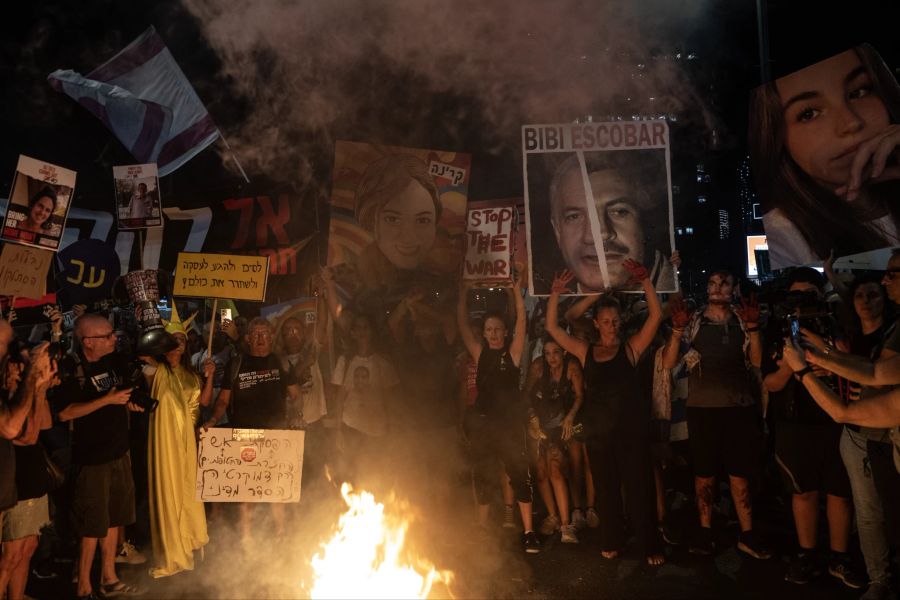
{"type": "Point", "coordinates": [23, 271]}
{"type": "Point", "coordinates": [231, 276]}
{"type": "Point", "coordinates": [490, 229]}
{"type": "Point", "coordinates": [86, 272]}
{"type": "Point", "coordinates": [38, 204]}
{"type": "Point", "coordinates": [624, 168]}
{"type": "Point", "coordinates": [138, 205]}
{"type": "Point", "coordinates": [249, 465]}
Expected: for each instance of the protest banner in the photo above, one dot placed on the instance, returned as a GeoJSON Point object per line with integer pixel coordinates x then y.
{"type": "Point", "coordinates": [86, 272]}
{"type": "Point", "coordinates": [23, 271]}
{"type": "Point", "coordinates": [490, 227]}
{"type": "Point", "coordinates": [138, 205]}
{"type": "Point", "coordinates": [249, 465]}
{"type": "Point", "coordinates": [398, 218]}
{"type": "Point", "coordinates": [38, 204]}
{"type": "Point", "coordinates": [624, 167]}
{"type": "Point", "coordinates": [229, 276]}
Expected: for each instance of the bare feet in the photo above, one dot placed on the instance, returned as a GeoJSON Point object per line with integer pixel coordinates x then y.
{"type": "Point", "coordinates": [610, 554]}
{"type": "Point", "coordinates": [654, 560]}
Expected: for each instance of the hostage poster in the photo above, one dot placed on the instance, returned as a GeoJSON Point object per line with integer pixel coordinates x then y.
{"type": "Point", "coordinates": [137, 196]}
{"type": "Point", "coordinates": [38, 204]}
{"type": "Point", "coordinates": [624, 168]}
{"type": "Point", "coordinates": [398, 218]}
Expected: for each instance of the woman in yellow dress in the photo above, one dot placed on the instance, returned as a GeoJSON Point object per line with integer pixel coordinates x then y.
{"type": "Point", "coordinates": [177, 518]}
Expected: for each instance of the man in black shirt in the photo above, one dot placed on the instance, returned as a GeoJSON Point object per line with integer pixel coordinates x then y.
{"type": "Point", "coordinates": [257, 388]}
{"type": "Point", "coordinates": [104, 489]}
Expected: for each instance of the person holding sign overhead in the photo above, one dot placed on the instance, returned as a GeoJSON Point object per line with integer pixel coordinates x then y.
{"type": "Point", "coordinates": [177, 519]}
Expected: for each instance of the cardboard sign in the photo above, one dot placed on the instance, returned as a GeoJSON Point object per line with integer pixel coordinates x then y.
{"type": "Point", "coordinates": [38, 204]}
{"type": "Point", "coordinates": [138, 204]}
{"type": "Point", "coordinates": [86, 272]}
{"type": "Point", "coordinates": [221, 276]}
{"type": "Point", "coordinates": [23, 271]}
{"type": "Point", "coordinates": [489, 236]}
{"type": "Point", "coordinates": [249, 465]}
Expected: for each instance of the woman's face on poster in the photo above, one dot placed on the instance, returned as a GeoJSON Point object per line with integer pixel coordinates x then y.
{"type": "Point", "coordinates": [41, 210]}
{"type": "Point", "coordinates": [406, 227]}
{"type": "Point", "coordinates": [830, 108]}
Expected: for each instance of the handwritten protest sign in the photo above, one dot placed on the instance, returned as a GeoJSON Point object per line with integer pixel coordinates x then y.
{"type": "Point", "coordinates": [221, 276]}
{"type": "Point", "coordinates": [249, 465]}
{"type": "Point", "coordinates": [489, 232]}
{"type": "Point", "coordinates": [23, 271]}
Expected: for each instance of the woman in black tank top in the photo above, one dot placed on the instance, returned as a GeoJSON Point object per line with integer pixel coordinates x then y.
{"type": "Point", "coordinates": [615, 416]}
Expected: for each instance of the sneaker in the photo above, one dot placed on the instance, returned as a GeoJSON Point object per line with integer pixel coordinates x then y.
{"type": "Point", "coordinates": [43, 570]}
{"type": "Point", "coordinates": [592, 518]}
{"type": "Point", "coordinates": [666, 533]}
{"type": "Point", "coordinates": [703, 542]}
{"type": "Point", "coordinates": [531, 542]}
{"type": "Point", "coordinates": [549, 525]}
{"type": "Point", "coordinates": [567, 534]}
{"type": "Point", "coordinates": [509, 517]}
{"type": "Point", "coordinates": [578, 519]}
{"type": "Point", "coordinates": [130, 555]}
{"type": "Point", "coordinates": [749, 543]}
{"type": "Point", "coordinates": [802, 568]}
{"type": "Point", "coordinates": [840, 566]}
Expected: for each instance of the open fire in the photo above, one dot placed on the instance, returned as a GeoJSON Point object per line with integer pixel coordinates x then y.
{"type": "Point", "coordinates": [367, 558]}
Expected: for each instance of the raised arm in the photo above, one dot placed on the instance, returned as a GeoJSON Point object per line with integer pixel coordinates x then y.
{"type": "Point", "coordinates": [338, 314]}
{"type": "Point", "coordinates": [681, 316]}
{"type": "Point", "coordinates": [884, 371]}
{"type": "Point", "coordinates": [641, 340]}
{"type": "Point", "coordinates": [462, 322]}
{"type": "Point", "coordinates": [574, 346]}
{"type": "Point", "coordinates": [749, 314]}
{"type": "Point", "coordinates": [580, 307]}
{"type": "Point", "coordinates": [517, 345]}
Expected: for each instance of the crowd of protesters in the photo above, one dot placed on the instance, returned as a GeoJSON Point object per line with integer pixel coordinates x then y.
{"type": "Point", "coordinates": [594, 400]}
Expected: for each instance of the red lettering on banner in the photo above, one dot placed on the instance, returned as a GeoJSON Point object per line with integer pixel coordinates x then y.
{"type": "Point", "coordinates": [272, 220]}
{"type": "Point", "coordinates": [282, 261]}
{"type": "Point", "coordinates": [245, 205]}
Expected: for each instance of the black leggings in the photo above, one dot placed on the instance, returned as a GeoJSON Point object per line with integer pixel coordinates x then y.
{"type": "Point", "coordinates": [619, 461]}
{"type": "Point", "coordinates": [495, 440]}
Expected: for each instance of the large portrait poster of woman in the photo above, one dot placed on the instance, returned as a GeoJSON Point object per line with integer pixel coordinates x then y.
{"type": "Point", "coordinates": [825, 143]}
{"type": "Point", "coordinates": [397, 225]}
{"type": "Point", "coordinates": [38, 204]}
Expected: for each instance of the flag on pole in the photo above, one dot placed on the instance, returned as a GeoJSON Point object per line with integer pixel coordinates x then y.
{"type": "Point", "coordinates": [143, 97]}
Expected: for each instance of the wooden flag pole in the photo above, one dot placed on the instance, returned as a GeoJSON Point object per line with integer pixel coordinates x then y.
{"type": "Point", "coordinates": [212, 329]}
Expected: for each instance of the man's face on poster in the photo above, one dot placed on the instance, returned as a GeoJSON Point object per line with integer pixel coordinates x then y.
{"type": "Point", "coordinates": [620, 221]}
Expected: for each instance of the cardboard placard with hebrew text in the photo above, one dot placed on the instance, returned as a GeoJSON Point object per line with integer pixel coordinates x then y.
{"type": "Point", "coordinates": [23, 271]}
{"type": "Point", "coordinates": [249, 465]}
{"type": "Point", "coordinates": [231, 276]}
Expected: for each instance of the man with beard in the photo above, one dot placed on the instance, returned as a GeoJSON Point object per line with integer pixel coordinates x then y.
{"type": "Point", "coordinates": [721, 346]}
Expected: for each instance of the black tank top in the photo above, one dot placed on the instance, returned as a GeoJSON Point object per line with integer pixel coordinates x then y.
{"type": "Point", "coordinates": [553, 397]}
{"type": "Point", "coordinates": [497, 382]}
{"type": "Point", "coordinates": [613, 402]}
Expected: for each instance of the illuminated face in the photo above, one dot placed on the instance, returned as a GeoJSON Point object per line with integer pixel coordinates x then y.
{"type": "Point", "coordinates": [553, 354]}
{"type": "Point", "coordinates": [495, 333]}
{"type": "Point", "coordinates": [41, 210]}
{"type": "Point", "coordinates": [830, 108]}
{"type": "Point", "coordinates": [292, 336]}
{"type": "Point", "coordinates": [406, 227]}
{"type": "Point", "coordinates": [720, 288]}
{"type": "Point", "coordinates": [260, 340]}
{"type": "Point", "coordinates": [608, 321]}
{"type": "Point", "coordinates": [174, 356]}
{"type": "Point", "coordinates": [891, 281]}
{"type": "Point", "coordinates": [623, 233]}
{"type": "Point", "coordinates": [868, 301]}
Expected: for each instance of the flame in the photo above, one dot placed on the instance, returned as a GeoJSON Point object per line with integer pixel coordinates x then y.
{"type": "Point", "coordinates": [365, 558]}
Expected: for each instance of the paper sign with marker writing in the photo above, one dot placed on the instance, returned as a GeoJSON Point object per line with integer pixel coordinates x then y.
{"type": "Point", "coordinates": [23, 271]}
{"type": "Point", "coordinates": [489, 235]}
{"type": "Point", "coordinates": [249, 465]}
{"type": "Point", "coordinates": [221, 276]}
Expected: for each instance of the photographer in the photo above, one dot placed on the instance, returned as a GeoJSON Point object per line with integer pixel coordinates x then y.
{"type": "Point", "coordinates": [807, 441]}
{"type": "Point", "coordinates": [104, 489]}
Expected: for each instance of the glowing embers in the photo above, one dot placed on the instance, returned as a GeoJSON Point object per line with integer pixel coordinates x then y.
{"type": "Point", "coordinates": [366, 557]}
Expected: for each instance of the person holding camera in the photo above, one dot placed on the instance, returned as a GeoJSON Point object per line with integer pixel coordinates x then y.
{"type": "Point", "coordinates": [807, 451]}
{"type": "Point", "coordinates": [722, 347]}
{"type": "Point", "coordinates": [98, 407]}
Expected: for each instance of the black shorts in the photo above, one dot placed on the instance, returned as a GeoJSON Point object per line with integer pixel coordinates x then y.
{"type": "Point", "coordinates": [104, 497]}
{"type": "Point", "coordinates": [729, 437]}
{"type": "Point", "coordinates": [809, 458]}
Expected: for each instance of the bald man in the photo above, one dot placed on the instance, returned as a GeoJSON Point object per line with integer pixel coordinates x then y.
{"type": "Point", "coordinates": [104, 488]}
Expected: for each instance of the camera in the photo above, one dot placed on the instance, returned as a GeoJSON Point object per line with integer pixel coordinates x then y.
{"type": "Point", "coordinates": [134, 380]}
{"type": "Point", "coordinates": [801, 309]}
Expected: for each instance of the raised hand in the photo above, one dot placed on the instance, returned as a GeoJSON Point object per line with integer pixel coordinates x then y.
{"type": "Point", "coordinates": [561, 282]}
{"type": "Point", "coordinates": [749, 310]}
{"type": "Point", "coordinates": [638, 271]}
{"type": "Point", "coordinates": [681, 312]}
{"type": "Point", "coordinates": [675, 260]}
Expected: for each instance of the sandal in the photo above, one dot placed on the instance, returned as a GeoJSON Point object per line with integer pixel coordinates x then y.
{"type": "Point", "coordinates": [120, 588]}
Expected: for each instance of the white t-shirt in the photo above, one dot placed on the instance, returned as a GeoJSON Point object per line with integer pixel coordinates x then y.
{"type": "Point", "coordinates": [367, 380]}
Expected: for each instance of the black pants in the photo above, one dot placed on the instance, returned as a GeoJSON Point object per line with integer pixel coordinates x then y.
{"type": "Point", "coordinates": [887, 482]}
{"type": "Point", "coordinates": [618, 461]}
{"type": "Point", "coordinates": [494, 441]}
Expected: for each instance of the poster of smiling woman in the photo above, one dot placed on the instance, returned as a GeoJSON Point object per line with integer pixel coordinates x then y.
{"type": "Point", "coordinates": [38, 204]}
{"type": "Point", "coordinates": [397, 224]}
{"type": "Point", "coordinates": [825, 143]}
